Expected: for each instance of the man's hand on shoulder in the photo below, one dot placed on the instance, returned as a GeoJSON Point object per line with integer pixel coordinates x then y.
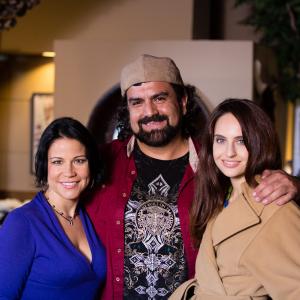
{"type": "Point", "coordinates": [278, 186]}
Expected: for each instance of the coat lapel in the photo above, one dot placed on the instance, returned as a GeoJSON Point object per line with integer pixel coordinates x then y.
{"type": "Point", "coordinates": [241, 214]}
{"type": "Point", "coordinates": [206, 266]}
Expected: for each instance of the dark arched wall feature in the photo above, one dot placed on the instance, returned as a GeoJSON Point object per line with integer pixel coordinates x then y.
{"type": "Point", "coordinates": [200, 111]}
{"type": "Point", "coordinates": [102, 120]}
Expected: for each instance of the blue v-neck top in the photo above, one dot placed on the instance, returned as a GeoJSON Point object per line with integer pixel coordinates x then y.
{"type": "Point", "coordinates": [38, 261]}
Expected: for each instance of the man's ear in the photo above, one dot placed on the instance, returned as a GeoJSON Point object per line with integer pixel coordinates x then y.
{"type": "Point", "coordinates": [184, 101]}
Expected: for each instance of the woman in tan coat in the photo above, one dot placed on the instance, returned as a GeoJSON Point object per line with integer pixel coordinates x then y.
{"type": "Point", "coordinates": [248, 250]}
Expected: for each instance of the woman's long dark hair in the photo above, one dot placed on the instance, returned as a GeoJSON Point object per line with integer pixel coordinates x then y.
{"type": "Point", "coordinates": [211, 184]}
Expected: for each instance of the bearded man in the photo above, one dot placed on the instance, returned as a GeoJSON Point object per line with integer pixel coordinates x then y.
{"type": "Point", "coordinates": [141, 214]}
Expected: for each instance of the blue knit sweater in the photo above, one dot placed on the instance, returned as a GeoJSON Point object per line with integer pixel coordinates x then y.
{"type": "Point", "coordinates": [38, 261]}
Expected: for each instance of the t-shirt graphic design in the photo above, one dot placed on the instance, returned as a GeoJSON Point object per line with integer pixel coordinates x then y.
{"type": "Point", "coordinates": [154, 256]}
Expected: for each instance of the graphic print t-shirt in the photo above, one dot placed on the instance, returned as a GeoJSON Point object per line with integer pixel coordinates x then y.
{"type": "Point", "coordinates": [154, 255]}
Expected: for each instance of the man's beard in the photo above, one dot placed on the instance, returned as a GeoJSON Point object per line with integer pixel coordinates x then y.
{"type": "Point", "coordinates": [158, 137]}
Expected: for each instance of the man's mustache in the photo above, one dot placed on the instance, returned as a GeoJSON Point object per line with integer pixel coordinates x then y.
{"type": "Point", "coordinates": [154, 118]}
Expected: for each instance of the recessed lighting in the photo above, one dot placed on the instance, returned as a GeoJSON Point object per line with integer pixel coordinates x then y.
{"type": "Point", "coordinates": [48, 54]}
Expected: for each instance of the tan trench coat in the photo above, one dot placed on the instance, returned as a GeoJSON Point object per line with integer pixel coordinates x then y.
{"type": "Point", "coordinates": [249, 251]}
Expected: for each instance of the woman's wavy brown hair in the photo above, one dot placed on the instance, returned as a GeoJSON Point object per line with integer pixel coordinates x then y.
{"type": "Point", "coordinates": [211, 185]}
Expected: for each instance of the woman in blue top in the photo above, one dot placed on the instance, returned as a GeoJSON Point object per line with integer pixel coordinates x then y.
{"type": "Point", "coordinates": [48, 247]}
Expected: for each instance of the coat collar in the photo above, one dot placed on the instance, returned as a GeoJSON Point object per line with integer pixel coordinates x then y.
{"type": "Point", "coordinates": [206, 265]}
{"type": "Point", "coordinates": [243, 213]}
{"type": "Point", "coordinates": [193, 156]}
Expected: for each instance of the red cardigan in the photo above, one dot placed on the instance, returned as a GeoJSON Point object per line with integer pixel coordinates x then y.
{"type": "Point", "coordinates": [107, 207]}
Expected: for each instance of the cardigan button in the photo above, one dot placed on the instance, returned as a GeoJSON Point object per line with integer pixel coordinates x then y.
{"type": "Point", "coordinates": [119, 250]}
{"type": "Point", "coordinates": [124, 195]}
{"type": "Point", "coordinates": [118, 222]}
{"type": "Point", "coordinates": [132, 172]}
{"type": "Point", "coordinates": [117, 279]}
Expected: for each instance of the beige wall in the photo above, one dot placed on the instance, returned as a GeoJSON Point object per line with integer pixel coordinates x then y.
{"type": "Point", "coordinates": [115, 20]}
{"type": "Point", "coordinates": [26, 76]}
{"type": "Point", "coordinates": [87, 70]}
{"type": "Point", "coordinates": [233, 30]}
{"type": "Point", "coordinates": [99, 19]}
{"type": "Point", "coordinates": [90, 64]}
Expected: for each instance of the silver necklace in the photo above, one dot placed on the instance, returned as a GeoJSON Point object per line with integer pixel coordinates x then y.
{"type": "Point", "coordinates": [70, 219]}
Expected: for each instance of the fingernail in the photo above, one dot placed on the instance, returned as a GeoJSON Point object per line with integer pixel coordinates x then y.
{"type": "Point", "coordinates": [265, 201]}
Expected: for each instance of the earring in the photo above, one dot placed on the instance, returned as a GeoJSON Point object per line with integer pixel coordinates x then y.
{"type": "Point", "coordinates": [45, 186]}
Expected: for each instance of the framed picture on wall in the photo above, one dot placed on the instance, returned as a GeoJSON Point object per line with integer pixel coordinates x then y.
{"type": "Point", "coordinates": [42, 114]}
